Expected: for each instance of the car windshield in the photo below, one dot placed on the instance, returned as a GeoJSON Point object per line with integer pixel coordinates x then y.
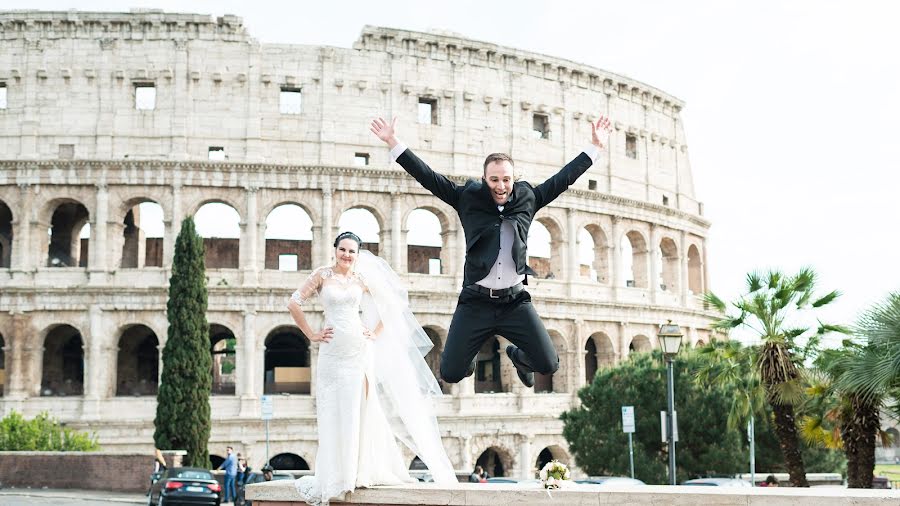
{"type": "Point", "coordinates": [191, 474]}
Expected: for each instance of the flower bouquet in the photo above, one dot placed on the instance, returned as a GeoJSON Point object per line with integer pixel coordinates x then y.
{"type": "Point", "coordinates": [554, 474]}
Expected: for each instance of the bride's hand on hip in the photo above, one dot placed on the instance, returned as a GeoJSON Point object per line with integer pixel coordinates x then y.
{"type": "Point", "coordinates": [323, 336]}
{"type": "Point", "coordinates": [368, 334]}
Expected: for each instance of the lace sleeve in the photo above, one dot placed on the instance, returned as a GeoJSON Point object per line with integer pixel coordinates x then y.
{"type": "Point", "coordinates": [309, 288]}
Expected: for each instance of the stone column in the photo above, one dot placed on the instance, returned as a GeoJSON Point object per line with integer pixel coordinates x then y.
{"type": "Point", "coordinates": [326, 241]}
{"type": "Point", "coordinates": [16, 352]}
{"type": "Point", "coordinates": [23, 257]}
{"type": "Point", "coordinates": [683, 269]}
{"type": "Point", "coordinates": [624, 341]}
{"type": "Point", "coordinates": [173, 226]}
{"type": "Point", "coordinates": [654, 256]}
{"type": "Point", "coordinates": [578, 356]}
{"type": "Point", "coordinates": [574, 266]}
{"type": "Point", "coordinates": [526, 466]}
{"type": "Point", "coordinates": [248, 360]}
{"type": "Point", "coordinates": [93, 364]}
{"type": "Point", "coordinates": [616, 266]}
{"type": "Point", "coordinates": [99, 242]}
{"type": "Point", "coordinates": [250, 255]}
{"type": "Point", "coordinates": [397, 243]}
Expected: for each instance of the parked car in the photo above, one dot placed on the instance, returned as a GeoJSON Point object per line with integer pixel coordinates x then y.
{"type": "Point", "coordinates": [191, 485]}
{"type": "Point", "coordinates": [608, 481]}
{"type": "Point", "coordinates": [716, 482]}
{"type": "Point", "coordinates": [502, 479]}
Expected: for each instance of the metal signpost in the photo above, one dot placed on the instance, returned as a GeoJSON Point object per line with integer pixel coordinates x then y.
{"type": "Point", "coordinates": [267, 410]}
{"type": "Point", "coordinates": [628, 427]}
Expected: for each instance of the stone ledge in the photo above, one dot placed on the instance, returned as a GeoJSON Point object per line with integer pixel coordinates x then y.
{"type": "Point", "coordinates": [283, 493]}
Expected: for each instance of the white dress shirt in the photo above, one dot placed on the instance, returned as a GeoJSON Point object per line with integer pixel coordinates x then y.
{"type": "Point", "coordinates": [503, 273]}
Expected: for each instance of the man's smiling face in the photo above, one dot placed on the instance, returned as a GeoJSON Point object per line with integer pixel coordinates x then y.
{"type": "Point", "coordinates": [499, 177]}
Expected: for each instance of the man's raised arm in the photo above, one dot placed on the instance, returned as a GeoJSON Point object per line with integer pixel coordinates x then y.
{"type": "Point", "coordinates": [437, 184]}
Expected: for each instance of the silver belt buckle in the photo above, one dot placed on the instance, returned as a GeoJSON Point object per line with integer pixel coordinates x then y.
{"type": "Point", "coordinates": [491, 294]}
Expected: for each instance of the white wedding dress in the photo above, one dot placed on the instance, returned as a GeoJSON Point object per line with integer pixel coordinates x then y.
{"type": "Point", "coordinates": [358, 399]}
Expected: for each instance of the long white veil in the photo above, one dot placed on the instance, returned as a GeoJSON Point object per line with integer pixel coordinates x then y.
{"type": "Point", "coordinates": [404, 381]}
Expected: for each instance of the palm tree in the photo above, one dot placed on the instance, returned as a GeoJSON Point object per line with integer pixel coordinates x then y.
{"type": "Point", "coordinates": [772, 302]}
{"type": "Point", "coordinates": [842, 418]}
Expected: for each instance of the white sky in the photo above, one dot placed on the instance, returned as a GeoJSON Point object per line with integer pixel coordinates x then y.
{"type": "Point", "coordinates": [790, 115]}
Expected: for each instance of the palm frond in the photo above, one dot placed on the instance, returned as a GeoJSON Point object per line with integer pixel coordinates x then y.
{"type": "Point", "coordinates": [805, 280]}
{"type": "Point", "coordinates": [774, 278]}
{"type": "Point", "coordinates": [788, 392]}
{"type": "Point", "coordinates": [826, 299]}
{"type": "Point", "coordinates": [754, 281]}
{"type": "Point", "coordinates": [714, 301]}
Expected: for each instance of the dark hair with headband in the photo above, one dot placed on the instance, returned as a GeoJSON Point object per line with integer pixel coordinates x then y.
{"type": "Point", "coordinates": [347, 235]}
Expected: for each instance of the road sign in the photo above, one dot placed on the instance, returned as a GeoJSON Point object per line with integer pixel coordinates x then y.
{"type": "Point", "coordinates": [267, 407]}
{"type": "Point", "coordinates": [628, 419]}
{"type": "Point", "coordinates": [662, 420]}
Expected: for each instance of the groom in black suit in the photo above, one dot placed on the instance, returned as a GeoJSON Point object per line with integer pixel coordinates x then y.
{"type": "Point", "coordinates": [496, 213]}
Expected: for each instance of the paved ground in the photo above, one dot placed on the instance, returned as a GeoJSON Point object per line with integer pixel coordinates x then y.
{"type": "Point", "coordinates": [50, 497]}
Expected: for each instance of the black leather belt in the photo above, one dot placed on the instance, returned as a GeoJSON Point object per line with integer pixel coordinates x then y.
{"type": "Point", "coordinates": [497, 293]}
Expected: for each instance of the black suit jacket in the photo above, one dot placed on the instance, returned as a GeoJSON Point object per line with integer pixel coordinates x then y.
{"type": "Point", "coordinates": [479, 214]}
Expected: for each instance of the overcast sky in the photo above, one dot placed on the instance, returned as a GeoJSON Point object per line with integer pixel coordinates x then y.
{"type": "Point", "coordinates": [791, 108]}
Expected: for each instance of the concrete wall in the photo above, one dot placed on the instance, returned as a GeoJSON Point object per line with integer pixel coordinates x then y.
{"type": "Point", "coordinates": [88, 470]}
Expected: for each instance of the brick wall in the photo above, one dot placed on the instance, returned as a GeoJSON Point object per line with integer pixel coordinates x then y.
{"type": "Point", "coordinates": [91, 470]}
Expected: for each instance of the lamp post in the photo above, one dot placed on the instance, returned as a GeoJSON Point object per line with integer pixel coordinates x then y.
{"type": "Point", "coordinates": [670, 341]}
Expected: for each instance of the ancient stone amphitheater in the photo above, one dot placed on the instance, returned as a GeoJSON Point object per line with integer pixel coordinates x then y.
{"type": "Point", "coordinates": [116, 126]}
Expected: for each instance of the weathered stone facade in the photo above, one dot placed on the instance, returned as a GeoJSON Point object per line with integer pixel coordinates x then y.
{"type": "Point", "coordinates": [82, 321]}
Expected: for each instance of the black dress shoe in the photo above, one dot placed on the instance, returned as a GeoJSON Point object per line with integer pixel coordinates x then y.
{"type": "Point", "coordinates": [525, 376]}
{"type": "Point", "coordinates": [471, 370]}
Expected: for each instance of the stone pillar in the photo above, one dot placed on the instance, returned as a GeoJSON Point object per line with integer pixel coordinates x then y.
{"type": "Point", "coordinates": [248, 360]}
{"type": "Point", "coordinates": [23, 257]}
{"type": "Point", "coordinates": [95, 372]}
{"type": "Point", "coordinates": [16, 353]}
{"type": "Point", "coordinates": [173, 226]}
{"type": "Point", "coordinates": [574, 265]}
{"type": "Point", "coordinates": [624, 342]}
{"type": "Point", "coordinates": [465, 453]}
{"type": "Point", "coordinates": [99, 242]}
{"type": "Point", "coordinates": [683, 270]}
{"type": "Point", "coordinates": [616, 266]}
{"type": "Point", "coordinates": [526, 466]}
{"type": "Point", "coordinates": [182, 112]}
{"type": "Point", "coordinates": [397, 243]}
{"type": "Point", "coordinates": [704, 273]}
{"type": "Point", "coordinates": [326, 241]}
{"type": "Point", "coordinates": [655, 260]}
{"type": "Point", "coordinates": [249, 253]}
{"type": "Point", "coordinates": [578, 356]}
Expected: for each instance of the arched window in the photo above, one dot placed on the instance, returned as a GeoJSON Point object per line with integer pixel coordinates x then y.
{"type": "Point", "coordinates": [224, 365]}
{"type": "Point", "coordinates": [137, 364]}
{"type": "Point", "coordinates": [287, 364]}
{"type": "Point", "coordinates": [487, 368]}
{"type": "Point", "coordinates": [423, 242]}
{"type": "Point", "coordinates": [6, 236]}
{"type": "Point", "coordinates": [69, 236]}
{"type": "Point", "coordinates": [288, 239]}
{"type": "Point", "coordinates": [143, 236]}
{"type": "Point", "coordinates": [363, 223]}
{"type": "Point", "coordinates": [63, 363]}
{"type": "Point", "coordinates": [219, 226]}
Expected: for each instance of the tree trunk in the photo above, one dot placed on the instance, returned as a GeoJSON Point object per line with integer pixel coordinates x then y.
{"type": "Point", "coordinates": [859, 434]}
{"type": "Point", "coordinates": [786, 431]}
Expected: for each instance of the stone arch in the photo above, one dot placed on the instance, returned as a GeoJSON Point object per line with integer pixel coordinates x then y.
{"type": "Point", "coordinates": [545, 251]}
{"type": "Point", "coordinates": [590, 360]}
{"type": "Point", "coordinates": [487, 367]}
{"type": "Point", "coordinates": [219, 224]}
{"type": "Point", "coordinates": [634, 259]}
{"type": "Point", "coordinates": [554, 383]}
{"type": "Point", "coordinates": [640, 344]}
{"type": "Point", "coordinates": [222, 346]}
{"type": "Point", "coordinates": [416, 464]}
{"type": "Point", "coordinates": [593, 256]}
{"type": "Point", "coordinates": [668, 268]}
{"type": "Point", "coordinates": [895, 437]}
{"type": "Point", "coordinates": [700, 343]}
{"type": "Point", "coordinates": [496, 460]}
{"type": "Point", "coordinates": [68, 220]}
{"type": "Point", "coordinates": [6, 236]}
{"type": "Point", "coordinates": [606, 350]}
{"type": "Point", "coordinates": [550, 453]}
{"type": "Point", "coordinates": [289, 462]}
{"type": "Point", "coordinates": [62, 372]}
{"type": "Point", "coordinates": [286, 362]}
{"type": "Point", "coordinates": [695, 270]}
{"type": "Point", "coordinates": [142, 235]}
{"type": "Point", "coordinates": [312, 212]}
{"type": "Point", "coordinates": [288, 238]}
{"type": "Point", "coordinates": [137, 361]}
{"type": "Point", "coordinates": [428, 244]}
{"type": "Point", "coordinates": [433, 358]}
{"type": "Point", "coordinates": [361, 220]}
{"type": "Point", "coordinates": [216, 460]}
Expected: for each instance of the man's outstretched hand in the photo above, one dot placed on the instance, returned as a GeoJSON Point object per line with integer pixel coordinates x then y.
{"type": "Point", "coordinates": [385, 131]}
{"type": "Point", "coordinates": [601, 127]}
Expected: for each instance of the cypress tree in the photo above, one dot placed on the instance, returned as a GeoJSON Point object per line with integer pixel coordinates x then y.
{"type": "Point", "coordinates": [182, 411]}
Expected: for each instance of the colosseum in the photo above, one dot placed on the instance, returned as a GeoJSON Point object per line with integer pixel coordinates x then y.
{"type": "Point", "coordinates": [116, 126]}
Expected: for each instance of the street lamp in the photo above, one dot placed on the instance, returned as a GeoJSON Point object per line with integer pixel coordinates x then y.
{"type": "Point", "coordinates": [670, 341]}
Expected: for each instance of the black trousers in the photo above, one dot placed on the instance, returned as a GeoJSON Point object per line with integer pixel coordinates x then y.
{"type": "Point", "coordinates": [479, 317]}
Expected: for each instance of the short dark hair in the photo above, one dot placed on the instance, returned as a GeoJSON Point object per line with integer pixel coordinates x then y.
{"type": "Point", "coordinates": [498, 157]}
{"type": "Point", "coordinates": [347, 235]}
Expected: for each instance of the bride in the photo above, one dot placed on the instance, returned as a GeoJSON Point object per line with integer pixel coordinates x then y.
{"type": "Point", "coordinates": [372, 383]}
